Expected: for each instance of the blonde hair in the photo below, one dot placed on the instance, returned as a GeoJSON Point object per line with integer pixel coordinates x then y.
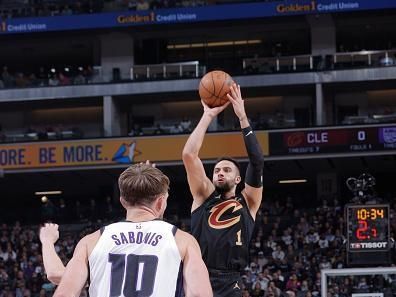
{"type": "Point", "coordinates": [141, 184]}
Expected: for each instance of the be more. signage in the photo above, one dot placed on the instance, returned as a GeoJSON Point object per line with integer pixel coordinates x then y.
{"type": "Point", "coordinates": [118, 151]}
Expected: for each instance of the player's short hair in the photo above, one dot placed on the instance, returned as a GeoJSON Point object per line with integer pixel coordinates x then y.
{"type": "Point", "coordinates": [232, 160]}
{"type": "Point", "coordinates": [141, 184]}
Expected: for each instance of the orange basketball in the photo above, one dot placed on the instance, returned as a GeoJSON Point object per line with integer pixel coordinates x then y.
{"type": "Point", "coordinates": [214, 86]}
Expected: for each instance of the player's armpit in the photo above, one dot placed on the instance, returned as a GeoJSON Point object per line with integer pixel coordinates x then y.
{"type": "Point", "coordinates": [253, 198]}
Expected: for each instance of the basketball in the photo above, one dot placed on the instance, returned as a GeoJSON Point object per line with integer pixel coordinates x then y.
{"type": "Point", "coordinates": [214, 86]}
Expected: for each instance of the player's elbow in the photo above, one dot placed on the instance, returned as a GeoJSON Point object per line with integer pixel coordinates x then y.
{"type": "Point", "coordinates": [188, 155]}
{"type": "Point", "coordinates": [257, 164]}
{"type": "Point", "coordinates": [258, 161]}
{"type": "Point", "coordinates": [55, 277]}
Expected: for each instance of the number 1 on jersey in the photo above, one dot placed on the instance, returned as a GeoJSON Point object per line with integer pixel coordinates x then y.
{"type": "Point", "coordinates": [239, 238]}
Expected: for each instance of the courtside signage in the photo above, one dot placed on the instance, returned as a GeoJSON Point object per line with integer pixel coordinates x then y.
{"type": "Point", "coordinates": [118, 151]}
{"type": "Point", "coordinates": [188, 15]}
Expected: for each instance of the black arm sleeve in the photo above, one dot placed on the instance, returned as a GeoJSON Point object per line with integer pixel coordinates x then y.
{"type": "Point", "coordinates": [254, 171]}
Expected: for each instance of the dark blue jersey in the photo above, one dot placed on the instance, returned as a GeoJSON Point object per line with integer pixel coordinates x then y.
{"type": "Point", "coordinates": [223, 228]}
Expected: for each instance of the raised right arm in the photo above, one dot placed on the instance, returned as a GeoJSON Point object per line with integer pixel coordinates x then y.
{"type": "Point", "coordinates": [200, 185]}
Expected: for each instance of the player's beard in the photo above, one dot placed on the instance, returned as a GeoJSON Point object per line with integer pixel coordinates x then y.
{"type": "Point", "coordinates": [223, 187]}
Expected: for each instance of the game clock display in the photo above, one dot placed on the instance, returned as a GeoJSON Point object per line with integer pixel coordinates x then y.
{"type": "Point", "coordinates": [367, 227]}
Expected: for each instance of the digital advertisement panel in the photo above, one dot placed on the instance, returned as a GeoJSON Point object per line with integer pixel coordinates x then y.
{"type": "Point", "coordinates": [341, 140]}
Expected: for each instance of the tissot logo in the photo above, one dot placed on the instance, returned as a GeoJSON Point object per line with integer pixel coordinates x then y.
{"type": "Point", "coordinates": [217, 211]}
{"type": "Point", "coordinates": [369, 245]}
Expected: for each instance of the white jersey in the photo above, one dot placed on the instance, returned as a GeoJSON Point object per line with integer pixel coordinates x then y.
{"type": "Point", "coordinates": [136, 259]}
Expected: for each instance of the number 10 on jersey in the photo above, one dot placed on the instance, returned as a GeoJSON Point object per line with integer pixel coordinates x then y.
{"type": "Point", "coordinates": [133, 275]}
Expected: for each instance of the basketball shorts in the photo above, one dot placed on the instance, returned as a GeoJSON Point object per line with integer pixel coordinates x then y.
{"type": "Point", "coordinates": [225, 283]}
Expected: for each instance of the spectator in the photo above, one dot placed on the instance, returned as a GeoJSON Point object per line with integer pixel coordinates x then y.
{"type": "Point", "coordinates": [42, 77]}
{"type": "Point", "coordinates": [257, 291]}
{"type": "Point", "coordinates": [20, 80]}
{"type": "Point", "coordinates": [142, 5]}
{"type": "Point", "coordinates": [261, 261]}
{"type": "Point", "coordinates": [136, 131]}
{"type": "Point", "coordinates": [286, 238]}
{"type": "Point", "coordinates": [53, 81]}
{"type": "Point", "coordinates": [293, 284]}
{"type": "Point", "coordinates": [185, 125]}
{"type": "Point", "coordinates": [67, 10]}
{"type": "Point", "coordinates": [63, 79]}
{"type": "Point", "coordinates": [176, 129]}
{"type": "Point", "coordinates": [158, 130]}
{"type": "Point", "coordinates": [7, 78]}
{"type": "Point", "coordinates": [278, 254]}
{"type": "Point", "coordinates": [88, 74]}
{"type": "Point", "coordinates": [132, 5]}
{"type": "Point", "coordinates": [273, 290]}
{"type": "Point", "coordinates": [79, 79]}
{"type": "Point", "coordinates": [264, 279]}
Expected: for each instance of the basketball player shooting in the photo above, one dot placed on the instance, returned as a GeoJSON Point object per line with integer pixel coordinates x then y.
{"type": "Point", "coordinates": [141, 256]}
{"type": "Point", "coordinates": [222, 220]}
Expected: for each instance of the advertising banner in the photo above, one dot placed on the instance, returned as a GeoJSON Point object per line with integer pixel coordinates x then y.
{"type": "Point", "coordinates": [188, 15]}
{"type": "Point", "coordinates": [118, 151]}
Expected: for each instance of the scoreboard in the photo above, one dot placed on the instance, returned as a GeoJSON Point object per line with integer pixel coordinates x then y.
{"type": "Point", "coordinates": [368, 234]}
{"type": "Point", "coordinates": [363, 139]}
{"type": "Point", "coordinates": [367, 227]}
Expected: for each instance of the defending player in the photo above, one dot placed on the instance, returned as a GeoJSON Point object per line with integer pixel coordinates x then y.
{"type": "Point", "coordinates": [142, 256]}
{"type": "Point", "coordinates": [222, 220]}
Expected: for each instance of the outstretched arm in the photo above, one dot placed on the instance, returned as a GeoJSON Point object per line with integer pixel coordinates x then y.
{"type": "Point", "coordinates": [53, 265]}
{"type": "Point", "coordinates": [200, 185]}
{"type": "Point", "coordinates": [253, 191]}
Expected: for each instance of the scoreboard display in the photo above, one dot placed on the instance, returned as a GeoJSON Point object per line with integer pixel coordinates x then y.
{"type": "Point", "coordinates": [363, 139]}
{"type": "Point", "coordinates": [367, 228]}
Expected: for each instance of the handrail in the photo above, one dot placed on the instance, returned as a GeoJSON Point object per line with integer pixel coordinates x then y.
{"type": "Point", "coordinates": [165, 70]}
{"type": "Point", "coordinates": [306, 62]}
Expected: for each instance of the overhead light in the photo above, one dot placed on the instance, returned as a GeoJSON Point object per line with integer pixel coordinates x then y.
{"type": "Point", "coordinates": [292, 181]}
{"type": "Point", "coordinates": [220, 43]}
{"type": "Point", "coordinates": [383, 116]}
{"type": "Point", "coordinates": [213, 44]}
{"type": "Point", "coordinates": [48, 193]}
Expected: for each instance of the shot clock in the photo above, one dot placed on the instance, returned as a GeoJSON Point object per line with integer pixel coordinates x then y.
{"type": "Point", "coordinates": [367, 228]}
